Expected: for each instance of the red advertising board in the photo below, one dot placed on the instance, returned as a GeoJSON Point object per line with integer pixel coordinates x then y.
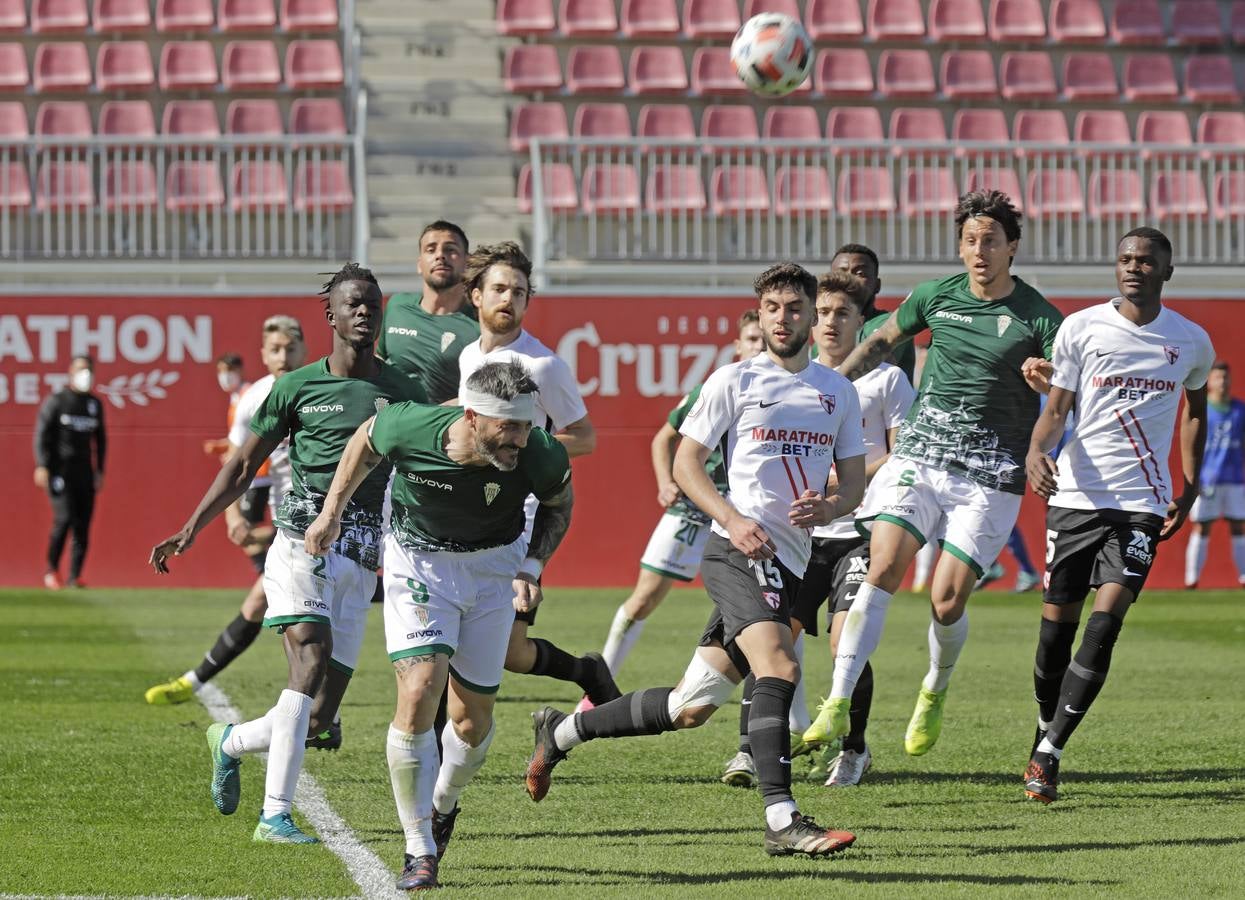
{"type": "Point", "coordinates": [634, 358]}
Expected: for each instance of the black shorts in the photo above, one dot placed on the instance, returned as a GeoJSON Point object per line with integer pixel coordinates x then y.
{"type": "Point", "coordinates": [739, 598]}
{"type": "Point", "coordinates": [253, 503]}
{"type": "Point", "coordinates": [836, 568]}
{"type": "Point", "coordinates": [1087, 548]}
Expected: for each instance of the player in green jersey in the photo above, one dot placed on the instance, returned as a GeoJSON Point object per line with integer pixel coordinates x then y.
{"type": "Point", "coordinates": [319, 603]}
{"type": "Point", "coordinates": [457, 568]}
{"type": "Point", "coordinates": [861, 261]}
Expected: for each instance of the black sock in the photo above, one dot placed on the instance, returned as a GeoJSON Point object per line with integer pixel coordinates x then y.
{"type": "Point", "coordinates": [1085, 676]}
{"type": "Point", "coordinates": [555, 663]}
{"type": "Point", "coordinates": [237, 636]}
{"type": "Point", "coordinates": [640, 712]}
{"type": "Point", "coordinates": [771, 741]}
{"type": "Point", "coordinates": [745, 713]}
{"type": "Point", "coordinates": [1054, 652]}
{"type": "Point", "coordinates": [862, 702]}
{"type": "Point", "coordinates": [442, 716]}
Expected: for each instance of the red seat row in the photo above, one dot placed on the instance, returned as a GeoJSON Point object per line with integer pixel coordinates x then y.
{"type": "Point", "coordinates": [1007, 21]}
{"type": "Point", "coordinates": [309, 116]}
{"type": "Point", "coordinates": [110, 16]}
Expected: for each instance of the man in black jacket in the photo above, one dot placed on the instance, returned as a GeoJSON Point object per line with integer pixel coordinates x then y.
{"type": "Point", "coordinates": [69, 465]}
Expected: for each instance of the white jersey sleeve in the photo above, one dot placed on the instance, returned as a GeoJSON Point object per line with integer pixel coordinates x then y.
{"type": "Point", "coordinates": [850, 441]}
{"type": "Point", "coordinates": [714, 410]}
{"type": "Point", "coordinates": [248, 404]}
{"type": "Point", "coordinates": [1200, 371]}
{"type": "Point", "coordinates": [559, 394]}
{"type": "Point", "coordinates": [1066, 358]}
{"type": "Point", "coordinates": [897, 397]}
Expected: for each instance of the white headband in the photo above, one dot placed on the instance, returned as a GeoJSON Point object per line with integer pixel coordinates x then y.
{"type": "Point", "coordinates": [521, 409]}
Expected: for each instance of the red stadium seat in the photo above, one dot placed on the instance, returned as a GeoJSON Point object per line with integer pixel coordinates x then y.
{"type": "Point", "coordinates": [843, 73]}
{"type": "Point", "coordinates": [1116, 194]}
{"type": "Point", "coordinates": [587, 18]}
{"type": "Point", "coordinates": [896, 20]}
{"type": "Point", "coordinates": [595, 69]}
{"type": "Point", "coordinates": [610, 188]}
{"type": "Point", "coordinates": [667, 120]}
{"type": "Point", "coordinates": [905, 73]}
{"type": "Point", "coordinates": [919, 123]}
{"type": "Point", "coordinates": [313, 64]}
{"type": "Point", "coordinates": [1027, 75]}
{"type": "Point", "coordinates": [122, 15]}
{"type": "Point", "coordinates": [188, 66]}
{"type": "Point", "coordinates": [13, 122]}
{"type": "Point", "coordinates": [969, 75]}
{"type": "Point", "coordinates": [1236, 22]}
{"type": "Point", "coordinates": [63, 118]}
{"type": "Point", "coordinates": [322, 185]}
{"type": "Point", "coordinates": [657, 70]}
{"type": "Point", "coordinates": [786, 7]}
{"type": "Point", "coordinates": [1229, 193]}
{"type": "Point", "coordinates": [1210, 79]}
{"type": "Point", "coordinates": [710, 19]}
{"type": "Point", "coordinates": [246, 15]}
{"type": "Point", "coordinates": [1137, 22]}
{"type": "Point", "coordinates": [674, 189]}
{"type": "Point", "coordinates": [802, 189]}
{"type": "Point", "coordinates": [13, 17]}
{"type": "Point", "coordinates": [193, 185]}
{"type": "Point", "coordinates": [58, 16]}
{"type": "Point", "coordinates": [1178, 195]}
{"type": "Point", "coordinates": [62, 67]}
{"type": "Point", "coordinates": [738, 189]}
{"type": "Point", "coordinates": [129, 118]}
{"type": "Point", "coordinates": [14, 76]}
{"type": "Point", "coordinates": [929, 191]}
{"type": "Point", "coordinates": [558, 182]}
{"type": "Point", "coordinates": [525, 17]}
{"type": "Point", "coordinates": [64, 185]}
{"type": "Point", "coordinates": [531, 69]}
{"type": "Point", "coordinates": [853, 123]}
{"type": "Point", "coordinates": [729, 122]}
{"type": "Point", "coordinates": [1077, 22]}
{"type": "Point", "coordinates": [321, 116]}
{"type": "Point", "coordinates": [129, 184]}
{"type": "Point", "coordinates": [649, 18]}
{"type": "Point", "coordinates": [15, 190]}
{"type": "Point", "coordinates": [713, 74]}
{"type": "Point", "coordinates": [602, 120]}
{"type": "Point", "coordinates": [256, 118]}
{"type": "Point", "coordinates": [985, 125]}
{"type": "Point", "coordinates": [866, 191]}
{"type": "Point", "coordinates": [1149, 76]}
{"type": "Point", "coordinates": [1089, 76]}
{"type": "Point", "coordinates": [124, 65]}
{"type": "Point", "coordinates": [190, 118]}
{"type": "Point", "coordinates": [834, 20]}
{"type": "Point", "coordinates": [185, 15]}
{"type": "Point", "coordinates": [1055, 192]}
{"type": "Point", "coordinates": [1102, 126]}
{"type": "Point", "coordinates": [536, 120]}
{"type": "Point", "coordinates": [320, 15]}
{"type": "Point", "coordinates": [995, 178]}
{"type": "Point", "coordinates": [791, 123]}
{"type": "Point", "coordinates": [1164, 127]}
{"type": "Point", "coordinates": [956, 21]}
{"type": "Point", "coordinates": [1016, 21]}
{"type": "Point", "coordinates": [251, 65]}
{"type": "Point", "coordinates": [1045, 126]}
{"type": "Point", "coordinates": [1197, 22]}
{"type": "Point", "coordinates": [1225, 130]}
{"type": "Point", "coordinates": [256, 185]}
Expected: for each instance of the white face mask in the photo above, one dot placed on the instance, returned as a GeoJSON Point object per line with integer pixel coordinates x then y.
{"type": "Point", "coordinates": [82, 380]}
{"type": "Point", "coordinates": [229, 381]}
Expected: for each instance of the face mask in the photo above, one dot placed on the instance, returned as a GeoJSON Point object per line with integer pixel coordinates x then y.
{"type": "Point", "coordinates": [82, 380]}
{"type": "Point", "coordinates": [229, 381]}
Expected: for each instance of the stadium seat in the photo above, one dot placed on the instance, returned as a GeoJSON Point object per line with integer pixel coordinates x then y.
{"type": "Point", "coordinates": [920, 123]}
{"type": "Point", "coordinates": [187, 66]}
{"type": "Point", "coordinates": [58, 16]}
{"type": "Point", "coordinates": [843, 73]}
{"type": "Point", "coordinates": [1224, 130]}
{"type": "Point", "coordinates": [121, 15]}
{"type": "Point", "coordinates": [928, 191]}
{"type": "Point", "coordinates": [1089, 76]}
{"type": "Point", "coordinates": [1164, 127]}
{"type": "Point", "coordinates": [531, 69]}
{"type": "Point", "coordinates": [786, 7]}
{"type": "Point", "coordinates": [13, 123]}
{"type": "Point", "coordinates": [185, 15]}
{"type": "Point", "coordinates": [63, 119]}
{"type": "Point", "coordinates": [649, 18]}
{"type": "Point", "coordinates": [588, 18]}
{"type": "Point", "coordinates": [713, 74]}
{"type": "Point", "coordinates": [1197, 22]}
{"type": "Point", "coordinates": [128, 118]}
{"type": "Point", "coordinates": [674, 189]}
{"type": "Point", "coordinates": [610, 188]}
{"type": "Point", "coordinates": [969, 75]}
{"type": "Point", "coordinates": [124, 65]}
{"type": "Point", "coordinates": [190, 118]}
{"type": "Point", "coordinates": [791, 123]}
{"type": "Point", "coordinates": [558, 181]}
{"type": "Point", "coordinates": [13, 17]}
{"type": "Point", "coordinates": [657, 70]}
{"type": "Point", "coordinates": [730, 122]}
{"type": "Point", "coordinates": [996, 178]}
{"type": "Point", "coordinates": [984, 125]}
{"type": "Point", "coordinates": [1045, 126]}
{"type": "Point", "coordinates": [853, 123]}
{"type": "Point", "coordinates": [1210, 79]}
{"type": "Point", "coordinates": [1178, 195]}
{"type": "Point", "coordinates": [802, 189]}
{"type": "Point", "coordinates": [866, 191]}
{"type": "Point", "coordinates": [246, 15]}
{"type": "Point", "coordinates": [1116, 194]}
{"type": "Point", "coordinates": [1149, 76]}
{"type": "Point", "coordinates": [1077, 22]}
{"type": "Point", "coordinates": [833, 20]}
{"type": "Point", "coordinates": [532, 120]}
{"type": "Point", "coordinates": [1137, 22]}
{"type": "Point", "coordinates": [324, 116]}
{"type": "Point", "coordinates": [322, 185]}
{"type": "Point", "coordinates": [595, 69]}
{"type": "Point", "coordinates": [738, 189]}
{"type": "Point", "coordinates": [666, 120]}
{"type": "Point", "coordinates": [1016, 22]}
{"type": "Point", "coordinates": [318, 15]}
{"type": "Point", "coordinates": [14, 75]}
{"type": "Point", "coordinates": [62, 66]}
{"type": "Point", "coordinates": [258, 185]}
{"type": "Point", "coordinates": [15, 190]}
{"type": "Point", "coordinates": [956, 21]}
{"type": "Point", "coordinates": [1027, 75]}
{"type": "Point", "coordinates": [1055, 192]}
{"type": "Point", "coordinates": [1236, 22]}
{"type": "Point", "coordinates": [251, 65]}
{"type": "Point", "coordinates": [1229, 194]}
{"type": "Point", "coordinates": [896, 20]}
{"type": "Point", "coordinates": [128, 184]}
{"type": "Point", "coordinates": [710, 19]}
{"type": "Point", "coordinates": [313, 64]}
{"type": "Point", "coordinates": [905, 73]}
{"type": "Point", "coordinates": [64, 185]}
{"type": "Point", "coordinates": [193, 185]}
{"type": "Point", "coordinates": [1102, 126]}
{"type": "Point", "coordinates": [524, 17]}
{"type": "Point", "coordinates": [602, 120]}
{"type": "Point", "coordinates": [256, 118]}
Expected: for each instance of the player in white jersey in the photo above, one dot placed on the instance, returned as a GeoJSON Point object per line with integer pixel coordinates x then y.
{"type": "Point", "coordinates": [784, 422]}
{"type": "Point", "coordinates": [282, 350]}
{"type": "Point", "coordinates": [1124, 364]}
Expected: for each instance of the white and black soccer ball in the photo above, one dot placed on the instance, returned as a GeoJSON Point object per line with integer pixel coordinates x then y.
{"type": "Point", "coordinates": [772, 54]}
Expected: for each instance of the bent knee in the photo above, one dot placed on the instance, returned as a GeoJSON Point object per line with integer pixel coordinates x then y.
{"type": "Point", "coordinates": [693, 717]}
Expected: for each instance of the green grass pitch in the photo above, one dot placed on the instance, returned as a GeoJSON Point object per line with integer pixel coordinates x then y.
{"type": "Point", "coordinates": [101, 794]}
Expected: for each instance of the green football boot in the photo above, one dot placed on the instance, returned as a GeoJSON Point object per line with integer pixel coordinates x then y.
{"type": "Point", "coordinates": [226, 783]}
{"type": "Point", "coordinates": [280, 829]}
{"type": "Point", "coordinates": [926, 722]}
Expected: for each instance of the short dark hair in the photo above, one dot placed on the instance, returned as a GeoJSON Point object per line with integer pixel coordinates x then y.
{"type": "Point", "coordinates": [349, 272]}
{"type": "Point", "coordinates": [90, 360]}
{"type": "Point", "coordinates": [749, 317]}
{"type": "Point", "coordinates": [233, 360]}
{"type": "Point", "coordinates": [992, 205]}
{"type": "Point", "coordinates": [443, 225]}
{"type": "Point", "coordinates": [507, 253]}
{"type": "Point", "coordinates": [785, 275]}
{"type": "Point", "coordinates": [861, 250]}
{"type": "Point", "coordinates": [1153, 235]}
{"type": "Point", "coordinates": [1221, 364]}
{"type": "Point", "coordinates": [850, 286]}
{"type": "Point", "coordinates": [503, 379]}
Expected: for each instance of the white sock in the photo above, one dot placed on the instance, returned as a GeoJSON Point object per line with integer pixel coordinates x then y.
{"type": "Point", "coordinates": [779, 815]}
{"type": "Point", "coordinates": [1238, 555]}
{"type": "Point", "coordinates": [924, 565]}
{"type": "Point", "coordinates": [195, 683]}
{"type": "Point", "coordinates": [1045, 746]}
{"type": "Point", "coordinates": [254, 736]}
{"type": "Point", "coordinates": [945, 644]}
{"type": "Point", "coordinates": [1195, 556]}
{"type": "Point", "coordinates": [624, 632]}
{"type": "Point", "coordinates": [566, 735]}
{"type": "Point", "coordinates": [413, 773]}
{"type": "Point", "coordinates": [459, 764]}
{"type": "Point", "coordinates": [290, 718]}
{"type": "Point", "coordinates": [798, 719]}
{"type": "Point", "coordinates": [861, 633]}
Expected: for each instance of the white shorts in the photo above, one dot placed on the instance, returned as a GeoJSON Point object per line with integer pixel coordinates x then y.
{"type": "Point", "coordinates": [1224, 501]}
{"type": "Point", "coordinates": [330, 589]}
{"type": "Point", "coordinates": [973, 521]}
{"type": "Point", "coordinates": [460, 604]}
{"type": "Point", "coordinates": [676, 547]}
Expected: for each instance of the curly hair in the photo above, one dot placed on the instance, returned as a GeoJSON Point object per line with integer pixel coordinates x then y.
{"type": "Point", "coordinates": [785, 275]}
{"type": "Point", "coordinates": [349, 272]}
{"type": "Point", "coordinates": [992, 205]}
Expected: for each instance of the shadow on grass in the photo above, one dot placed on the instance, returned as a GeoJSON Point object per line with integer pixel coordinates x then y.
{"type": "Point", "coordinates": [1077, 777]}
{"type": "Point", "coordinates": [1226, 841]}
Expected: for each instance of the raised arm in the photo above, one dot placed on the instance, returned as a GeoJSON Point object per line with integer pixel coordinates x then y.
{"type": "Point", "coordinates": [357, 462]}
{"type": "Point", "coordinates": [873, 351]}
{"type": "Point", "coordinates": [1192, 449]}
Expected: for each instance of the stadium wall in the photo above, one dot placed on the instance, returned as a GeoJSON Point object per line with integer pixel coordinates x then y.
{"type": "Point", "coordinates": [634, 358]}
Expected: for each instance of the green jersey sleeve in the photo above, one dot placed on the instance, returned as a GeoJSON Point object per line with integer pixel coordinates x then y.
{"type": "Point", "coordinates": [275, 417]}
{"type": "Point", "coordinates": [679, 413]}
{"type": "Point", "coordinates": [546, 464]}
{"type": "Point", "coordinates": [912, 315]}
{"type": "Point", "coordinates": [388, 426]}
{"type": "Point", "coordinates": [1046, 327]}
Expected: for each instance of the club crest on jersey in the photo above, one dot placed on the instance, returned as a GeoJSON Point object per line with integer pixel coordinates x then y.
{"type": "Point", "coordinates": [491, 490]}
{"type": "Point", "coordinates": [381, 403]}
{"type": "Point", "coordinates": [1172, 353]}
{"type": "Point", "coordinates": [827, 403]}
{"type": "Point", "coordinates": [1004, 321]}
{"type": "Point", "coordinates": [447, 339]}
{"type": "Point", "coordinates": [772, 599]}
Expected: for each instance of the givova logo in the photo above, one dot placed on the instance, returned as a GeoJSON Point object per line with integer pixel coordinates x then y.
{"type": "Point", "coordinates": [322, 408]}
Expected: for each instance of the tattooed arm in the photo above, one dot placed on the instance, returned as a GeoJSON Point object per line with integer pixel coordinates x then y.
{"type": "Point", "coordinates": [553, 520]}
{"type": "Point", "coordinates": [873, 351]}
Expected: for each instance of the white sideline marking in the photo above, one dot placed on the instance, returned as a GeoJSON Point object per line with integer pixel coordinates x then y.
{"type": "Point", "coordinates": [366, 868]}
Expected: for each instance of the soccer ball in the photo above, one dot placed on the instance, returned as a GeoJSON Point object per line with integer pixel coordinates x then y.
{"type": "Point", "coordinates": [772, 54]}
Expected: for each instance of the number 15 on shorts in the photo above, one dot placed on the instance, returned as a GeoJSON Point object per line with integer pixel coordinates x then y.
{"type": "Point", "coordinates": [766, 572]}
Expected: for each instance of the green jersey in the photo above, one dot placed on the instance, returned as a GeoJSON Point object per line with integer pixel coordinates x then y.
{"type": "Point", "coordinates": [441, 505]}
{"type": "Point", "coordinates": [715, 465]}
{"type": "Point", "coordinates": [425, 346]}
{"type": "Point", "coordinates": [903, 355]}
{"type": "Point", "coordinates": [974, 412]}
{"type": "Point", "coordinates": [321, 412]}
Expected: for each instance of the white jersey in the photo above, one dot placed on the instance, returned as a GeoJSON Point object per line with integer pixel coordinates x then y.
{"type": "Point", "coordinates": [248, 405]}
{"type": "Point", "coordinates": [1128, 381]}
{"type": "Point", "coordinates": [558, 402]}
{"type": "Point", "coordinates": [885, 397]}
{"type": "Point", "coordinates": [782, 432]}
